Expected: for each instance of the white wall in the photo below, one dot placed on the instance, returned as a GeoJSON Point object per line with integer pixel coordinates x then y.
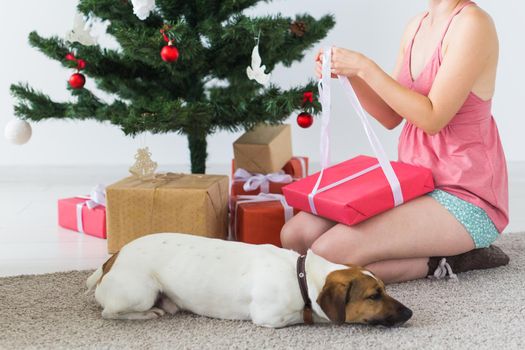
{"type": "Point", "coordinates": [373, 27]}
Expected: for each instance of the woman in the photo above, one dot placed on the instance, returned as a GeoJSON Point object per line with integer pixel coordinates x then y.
{"type": "Point", "coordinates": [443, 87]}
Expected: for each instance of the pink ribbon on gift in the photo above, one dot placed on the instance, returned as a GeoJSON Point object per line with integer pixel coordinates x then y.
{"type": "Point", "coordinates": [261, 197]}
{"type": "Point", "coordinates": [96, 198]}
{"type": "Point", "coordinates": [262, 181]}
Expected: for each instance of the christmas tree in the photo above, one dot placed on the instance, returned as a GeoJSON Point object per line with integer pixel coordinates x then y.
{"type": "Point", "coordinates": [200, 85]}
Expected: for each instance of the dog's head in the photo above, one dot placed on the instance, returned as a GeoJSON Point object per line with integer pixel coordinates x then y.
{"type": "Point", "coordinates": [355, 295]}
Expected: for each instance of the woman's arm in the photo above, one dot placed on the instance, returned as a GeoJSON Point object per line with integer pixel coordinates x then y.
{"type": "Point", "coordinates": [370, 100]}
{"type": "Point", "coordinates": [467, 54]}
{"type": "Point", "coordinates": [374, 104]}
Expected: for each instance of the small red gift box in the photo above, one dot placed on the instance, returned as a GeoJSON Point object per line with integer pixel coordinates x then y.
{"type": "Point", "coordinates": [357, 189]}
{"type": "Point", "coordinates": [259, 219]}
{"type": "Point", "coordinates": [74, 214]}
{"type": "Point", "coordinates": [297, 167]}
{"type": "Point", "coordinates": [245, 183]}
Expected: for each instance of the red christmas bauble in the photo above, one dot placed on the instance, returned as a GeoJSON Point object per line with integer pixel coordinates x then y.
{"type": "Point", "coordinates": [169, 53]}
{"type": "Point", "coordinates": [305, 120]}
{"type": "Point", "coordinates": [77, 81]}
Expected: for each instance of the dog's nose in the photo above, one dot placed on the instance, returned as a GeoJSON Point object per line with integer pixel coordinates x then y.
{"type": "Point", "coordinates": [406, 313]}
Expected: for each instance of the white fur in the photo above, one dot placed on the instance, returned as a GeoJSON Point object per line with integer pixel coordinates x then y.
{"type": "Point", "coordinates": [368, 273]}
{"type": "Point", "coordinates": [210, 277]}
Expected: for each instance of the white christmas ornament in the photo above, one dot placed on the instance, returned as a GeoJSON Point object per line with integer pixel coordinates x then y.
{"type": "Point", "coordinates": [256, 71]}
{"type": "Point", "coordinates": [81, 32]}
{"type": "Point", "coordinates": [142, 8]}
{"type": "Point", "coordinates": [18, 131]}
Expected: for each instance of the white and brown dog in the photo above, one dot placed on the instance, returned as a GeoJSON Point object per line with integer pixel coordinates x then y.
{"type": "Point", "coordinates": [168, 272]}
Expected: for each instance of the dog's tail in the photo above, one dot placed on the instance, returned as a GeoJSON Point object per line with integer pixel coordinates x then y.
{"type": "Point", "coordinates": [93, 280]}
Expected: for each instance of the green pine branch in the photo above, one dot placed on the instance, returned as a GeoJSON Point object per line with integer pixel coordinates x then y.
{"type": "Point", "coordinates": [215, 40]}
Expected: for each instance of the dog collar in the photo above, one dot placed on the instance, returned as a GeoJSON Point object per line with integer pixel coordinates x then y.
{"type": "Point", "coordinates": [301, 277]}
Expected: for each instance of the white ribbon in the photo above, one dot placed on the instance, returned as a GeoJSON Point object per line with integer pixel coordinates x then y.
{"type": "Point", "coordinates": [303, 165]}
{"type": "Point", "coordinates": [96, 198]}
{"type": "Point", "coordinates": [262, 181]}
{"type": "Point", "coordinates": [80, 224]}
{"type": "Point", "coordinates": [262, 197]}
{"type": "Point", "coordinates": [377, 147]}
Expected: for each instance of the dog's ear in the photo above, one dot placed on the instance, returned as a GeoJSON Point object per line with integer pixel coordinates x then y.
{"type": "Point", "coordinates": [333, 299]}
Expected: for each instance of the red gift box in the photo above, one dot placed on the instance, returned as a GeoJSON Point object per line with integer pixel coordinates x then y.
{"type": "Point", "coordinates": [74, 214]}
{"type": "Point", "coordinates": [357, 199]}
{"type": "Point", "coordinates": [297, 167]}
{"type": "Point", "coordinates": [245, 183]}
{"type": "Point", "coordinates": [259, 219]}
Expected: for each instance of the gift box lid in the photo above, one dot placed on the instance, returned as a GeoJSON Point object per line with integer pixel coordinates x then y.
{"type": "Point", "coordinates": [263, 134]}
{"type": "Point", "coordinates": [170, 181]}
{"type": "Point", "coordinates": [365, 195]}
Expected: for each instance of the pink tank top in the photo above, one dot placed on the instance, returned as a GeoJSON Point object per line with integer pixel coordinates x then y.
{"type": "Point", "coordinates": [466, 156]}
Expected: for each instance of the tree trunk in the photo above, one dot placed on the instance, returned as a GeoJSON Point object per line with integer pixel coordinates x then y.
{"type": "Point", "coordinates": [198, 145]}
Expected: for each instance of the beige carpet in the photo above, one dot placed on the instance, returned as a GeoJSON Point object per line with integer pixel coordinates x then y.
{"type": "Point", "coordinates": [485, 310]}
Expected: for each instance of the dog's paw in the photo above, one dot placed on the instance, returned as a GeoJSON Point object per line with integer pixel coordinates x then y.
{"type": "Point", "coordinates": [156, 311]}
{"type": "Point", "coordinates": [167, 305]}
{"type": "Point", "coordinates": [145, 315]}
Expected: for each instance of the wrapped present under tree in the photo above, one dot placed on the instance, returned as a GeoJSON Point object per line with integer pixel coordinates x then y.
{"type": "Point", "coordinates": [84, 214]}
{"type": "Point", "coordinates": [259, 219]}
{"type": "Point", "coordinates": [263, 150]}
{"type": "Point", "coordinates": [194, 204]}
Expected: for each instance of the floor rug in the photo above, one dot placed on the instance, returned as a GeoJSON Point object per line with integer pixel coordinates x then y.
{"type": "Point", "coordinates": [484, 310]}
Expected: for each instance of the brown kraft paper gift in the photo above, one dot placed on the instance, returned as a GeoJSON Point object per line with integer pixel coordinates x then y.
{"type": "Point", "coordinates": [195, 204]}
{"type": "Point", "coordinates": [265, 149]}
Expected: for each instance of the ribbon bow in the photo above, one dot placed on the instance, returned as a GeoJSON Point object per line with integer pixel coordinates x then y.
{"type": "Point", "coordinates": [308, 96]}
{"type": "Point", "coordinates": [262, 181]}
{"type": "Point", "coordinates": [96, 198]}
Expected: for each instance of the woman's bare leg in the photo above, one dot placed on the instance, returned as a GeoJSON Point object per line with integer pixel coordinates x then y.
{"type": "Point", "coordinates": [417, 229]}
{"type": "Point", "coordinates": [302, 230]}
{"type": "Point", "coordinates": [400, 270]}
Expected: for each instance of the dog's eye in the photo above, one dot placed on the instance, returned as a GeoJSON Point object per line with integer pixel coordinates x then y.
{"type": "Point", "coordinates": [375, 296]}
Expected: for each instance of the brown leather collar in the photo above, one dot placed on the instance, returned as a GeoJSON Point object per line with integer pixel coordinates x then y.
{"type": "Point", "coordinates": [301, 277]}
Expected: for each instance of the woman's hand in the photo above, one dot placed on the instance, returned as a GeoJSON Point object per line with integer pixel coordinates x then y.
{"type": "Point", "coordinates": [319, 65]}
{"type": "Point", "coordinates": [344, 62]}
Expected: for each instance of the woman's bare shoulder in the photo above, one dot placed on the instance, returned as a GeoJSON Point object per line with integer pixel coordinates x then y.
{"type": "Point", "coordinates": [411, 28]}
{"type": "Point", "coordinates": [474, 22]}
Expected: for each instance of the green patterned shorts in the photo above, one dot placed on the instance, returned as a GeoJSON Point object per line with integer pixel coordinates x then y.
{"type": "Point", "coordinates": [473, 218]}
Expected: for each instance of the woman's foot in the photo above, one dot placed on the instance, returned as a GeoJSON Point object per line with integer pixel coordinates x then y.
{"type": "Point", "coordinates": [477, 259]}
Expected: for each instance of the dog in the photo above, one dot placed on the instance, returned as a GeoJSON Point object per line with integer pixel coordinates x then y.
{"type": "Point", "coordinates": [167, 272]}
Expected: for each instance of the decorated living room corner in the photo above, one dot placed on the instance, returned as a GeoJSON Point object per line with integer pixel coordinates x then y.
{"type": "Point", "coordinates": [192, 74]}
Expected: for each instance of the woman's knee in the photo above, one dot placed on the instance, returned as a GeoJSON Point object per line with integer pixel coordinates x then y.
{"type": "Point", "coordinates": [302, 230]}
{"type": "Point", "coordinates": [292, 237]}
{"type": "Point", "coordinates": [342, 248]}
